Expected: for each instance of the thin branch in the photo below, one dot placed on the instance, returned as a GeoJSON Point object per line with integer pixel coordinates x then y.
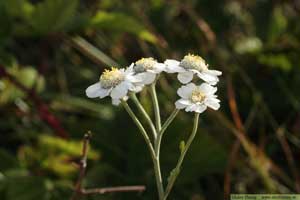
{"type": "Point", "coordinates": [201, 24]}
{"type": "Point", "coordinates": [79, 190]}
{"type": "Point", "coordinates": [289, 156]}
{"type": "Point", "coordinates": [236, 146]}
{"type": "Point", "coordinates": [233, 106]}
{"type": "Point", "coordinates": [134, 188]}
{"type": "Point", "coordinates": [82, 166]}
{"type": "Point", "coordinates": [232, 159]}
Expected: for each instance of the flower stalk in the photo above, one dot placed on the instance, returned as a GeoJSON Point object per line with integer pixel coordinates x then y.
{"type": "Point", "coordinates": [156, 106]}
{"type": "Point", "coordinates": [140, 127]}
{"type": "Point", "coordinates": [163, 129]}
{"type": "Point", "coordinates": [154, 157]}
{"type": "Point", "coordinates": [175, 172]}
{"type": "Point", "coordinates": [122, 83]}
{"type": "Point", "coordinates": [144, 113]}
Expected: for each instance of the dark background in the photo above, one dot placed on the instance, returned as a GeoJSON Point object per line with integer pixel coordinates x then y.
{"type": "Point", "coordinates": [52, 50]}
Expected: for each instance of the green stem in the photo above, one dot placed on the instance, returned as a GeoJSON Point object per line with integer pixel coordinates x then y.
{"type": "Point", "coordinates": [152, 152]}
{"type": "Point", "coordinates": [156, 106]}
{"type": "Point", "coordinates": [163, 129]}
{"type": "Point", "coordinates": [176, 170]}
{"type": "Point", "coordinates": [145, 114]}
{"type": "Point", "coordinates": [140, 127]}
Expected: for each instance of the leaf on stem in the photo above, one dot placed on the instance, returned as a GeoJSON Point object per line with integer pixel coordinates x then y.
{"type": "Point", "coordinates": [173, 174]}
{"type": "Point", "coordinates": [181, 146]}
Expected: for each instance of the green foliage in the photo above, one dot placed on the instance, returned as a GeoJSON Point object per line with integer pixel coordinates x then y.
{"type": "Point", "coordinates": [122, 23]}
{"type": "Point", "coordinates": [53, 154]}
{"type": "Point", "coordinates": [18, 8]}
{"type": "Point", "coordinates": [280, 61]}
{"type": "Point", "coordinates": [28, 76]}
{"type": "Point", "coordinates": [248, 45]}
{"type": "Point", "coordinates": [278, 24]}
{"type": "Point", "coordinates": [53, 15]}
{"type": "Point", "coordinates": [26, 188]}
{"type": "Point", "coordinates": [82, 104]}
{"type": "Point", "coordinates": [7, 161]}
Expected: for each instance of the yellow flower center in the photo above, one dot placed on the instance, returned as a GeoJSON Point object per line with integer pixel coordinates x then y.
{"type": "Point", "coordinates": [191, 61]}
{"type": "Point", "coordinates": [111, 78]}
{"type": "Point", "coordinates": [144, 64]}
{"type": "Point", "coordinates": [197, 96]}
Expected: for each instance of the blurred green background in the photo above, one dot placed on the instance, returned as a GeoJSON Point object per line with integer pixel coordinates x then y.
{"type": "Point", "coordinates": [52, 50]}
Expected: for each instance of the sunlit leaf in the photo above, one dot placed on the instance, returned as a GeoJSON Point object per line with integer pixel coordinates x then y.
{"type": "Point", "coordinates": [18, 8]}
{"type": "Point", "coordinates": [248, 45]}
{"type": "Point", "coordinates": [278, 23]}
{"type": "Point", "coordinates": [280, 61]}
{"type": "Point", "coordinates": [55, 155]}
{"type": "Point", "coordinates": [121, 22]}
{"type": "Point", "coordinates": [73, 148]}
{"type": "Point", "coordinates": [27, 76]}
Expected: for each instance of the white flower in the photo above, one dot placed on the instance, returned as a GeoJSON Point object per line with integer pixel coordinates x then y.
{"type": "Point", "coordinates": [197, 98]}
{"type": "Point", "coordinates": [115, 83]}
{"type": "Point", "coordinates": [146, 69]}
{"type": "Point", "coordinates": [190, 65]}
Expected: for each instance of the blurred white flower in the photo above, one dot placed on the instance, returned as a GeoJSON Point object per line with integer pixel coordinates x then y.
{"type": "Point", "coordinates": [146, 69]}
{"type": "Point", "coordinates": [197, 98]}
{"type": "Point", "coordinates": [190, 65]}
{"type": "Point", "coordinates": [115, 83]}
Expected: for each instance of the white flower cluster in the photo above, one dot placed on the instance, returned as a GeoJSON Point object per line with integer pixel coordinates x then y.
{"type": "Point", "coordinates": [117, 83]}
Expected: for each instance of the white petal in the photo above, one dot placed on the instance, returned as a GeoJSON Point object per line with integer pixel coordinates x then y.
{"type": "Point", "coordinates": [96, 90]}
{"type": "Point", "coordinates": [172, 66]}
{"type": "Point", "coordinates": [130, 68]}
{"type": "Point", "coordinates": [191, 108]}
{"type": "Point", "coordinates": [171, 62]}
{"type": "Point", "coordinates": [185, 91]}
{"type": "Point", "coordinates": [159, 67]}
{"type": "Point", "coordinates": [116, 101]}
{"type": "Point", "coordinates": [212, 103]}
{"type": "Point", "coordinates": [136, 87]}
{"type": "Point", "coordinates": [200, 108]}
{"type": "Point", "coordinates": [147, 77]}
{"type": "Point", "coordinates": [120, 90]}
{"type": "Point", "coordinates": [211, 79]}
{"type": "Point", "coordinates": [134, 78]}
{"type": "Point", "coordinates": [207, 89]}
{"type": "Point", "coordinates": [178, 105]}
{"type": "Point", "coordinates": [182, 103]}
{"type": "Point", "coordinates": [214, 72]}
{"type": "Point", "coordinates": [185, 77]}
